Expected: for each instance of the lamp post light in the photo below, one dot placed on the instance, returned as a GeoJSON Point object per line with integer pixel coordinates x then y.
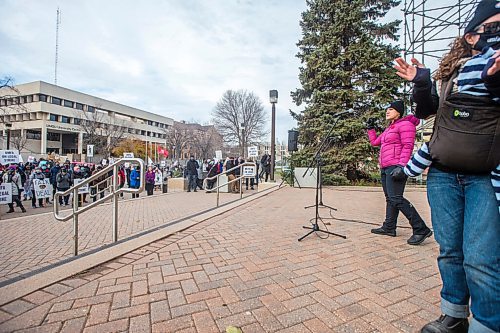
{"type": "Point", "coordinates": [273, 98]}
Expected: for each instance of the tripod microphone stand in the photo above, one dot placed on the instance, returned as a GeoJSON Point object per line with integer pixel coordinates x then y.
{"type": "Point", "coordinates": [317, 159]}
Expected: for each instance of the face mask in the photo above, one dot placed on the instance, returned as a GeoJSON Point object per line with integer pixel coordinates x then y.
{"type": "Point", "coordinates": [487, 41]}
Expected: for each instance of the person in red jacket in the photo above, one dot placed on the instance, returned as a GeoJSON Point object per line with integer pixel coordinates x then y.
{"type": "Point", "coordinates": [396, 147]}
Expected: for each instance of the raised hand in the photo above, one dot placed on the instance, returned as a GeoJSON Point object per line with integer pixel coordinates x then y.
{"type": "Point", "coordinates": [405, 70]}
{"type": "Point", "coordinates": [496, 65]}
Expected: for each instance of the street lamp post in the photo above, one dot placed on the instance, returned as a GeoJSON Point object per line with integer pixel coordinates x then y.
{"type": "Point", "coordinates": [7, 131]}
{"type": "Point", "coordinates": [273, 98]}
{"type": "Point", "coordinates": [243, 139]}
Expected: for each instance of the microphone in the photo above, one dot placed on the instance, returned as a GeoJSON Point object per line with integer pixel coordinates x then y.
{"type": "Point", "coordinates": [350, 111]}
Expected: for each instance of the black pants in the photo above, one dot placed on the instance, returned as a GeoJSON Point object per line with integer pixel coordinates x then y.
{"type": "Point", "coordinates": [251, 182]}
{"type": "Point", "coordinates": [395, 202]}
{"type": "Point", "coordinates": [149, 188]}
{"type": "Point", "coordinates": [66, 197]}
{"type": "Point", "coordinates": [17, 201]}
{"type": "Point", "coordinates": [33, 200]}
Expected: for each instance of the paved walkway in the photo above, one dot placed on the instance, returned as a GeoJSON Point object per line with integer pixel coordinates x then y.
{"type": "Point", "coordinates": [245, 268]}
{"type": "Point", "coordinates": [28, 243]}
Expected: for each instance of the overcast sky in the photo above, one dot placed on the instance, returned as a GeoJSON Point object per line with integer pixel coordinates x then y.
{"type": "Point", "coordinates": [171, 57]}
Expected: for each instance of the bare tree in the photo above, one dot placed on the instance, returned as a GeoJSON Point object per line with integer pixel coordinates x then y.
{"type": "Point", "coordinates": [104, 132]}
{"type": "Point", "coordinates": [206, 141]}
{"type": "Point", "coordinates": [179, 137]}
{"type": "Point", "coordinates": [11, 101]}
{"type": "Point", "coordinates": [237, 109]}
{"type": "Point", "coordinates": [18, 141]}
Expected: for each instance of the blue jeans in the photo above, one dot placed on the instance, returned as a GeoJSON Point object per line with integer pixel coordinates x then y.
{"type": "Point", "coordinates": [192, 182]}
{"type": "Point", "coordinates": [466, 225]}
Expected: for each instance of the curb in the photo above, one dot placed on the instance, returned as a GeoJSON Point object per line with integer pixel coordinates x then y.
{"type": "Point", "coordinates": [84, 262]}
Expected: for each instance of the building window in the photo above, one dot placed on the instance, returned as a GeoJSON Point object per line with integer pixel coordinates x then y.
{"type": "Point", "coordinates": [33, 134]}
{"type": "Point", "coordinates": [42, 97]}
{"type": "Point", "coordinates": [77, 121]}
{"type": "Point", "coordinates": [53, 117]}
{"type": "Point", "coordinates": [53, 136]}
{"type": "Point", "coordinates": [131, 131]}
{"type": "Point", "coordinates": [90, 108]}
{"type": "Point", "coordinates": [143, 132]}
{"type": "Point", "coordinates": [150, 123]}
{"type": "Point", "coordinates": [56, 101]}
{"type": "Point", "coordinates": [65, 120]}
{"type": "Point", "coordinates": [79, 106]}
{"type": "Point", "coordinates": [68, 104]}
{"type": "Point", "coordinates": [29, 99]}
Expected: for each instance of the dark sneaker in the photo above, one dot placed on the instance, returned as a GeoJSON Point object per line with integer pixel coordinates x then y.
{"type": "Point", "coordinates": [418, 239]}
{"type": "Point", "coordinates": [447, 324]}
{"type": "Point", "coordinates": [382, 231]}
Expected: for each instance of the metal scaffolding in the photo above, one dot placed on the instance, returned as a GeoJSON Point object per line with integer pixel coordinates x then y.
{"type": "Point", "coordinates": [430, 26]}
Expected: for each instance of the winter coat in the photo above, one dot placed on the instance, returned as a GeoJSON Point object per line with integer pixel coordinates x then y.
{"type": "Point", "coordinates": [63, 180]}
{"type": "Point", "coordinates": [53, 173]}
{"type": "Point", "coordinates": [15, 180]}
{"type": "Point", "coordinates": [150, 177]}
{"type": "Point", "coordinates": [121, 177]}
{"type": "Point", "coordinates": [396, 141]}
{"type": "Point", "coordinates": [192, 167]}
{"type": "Point", "coordinates": [135, 179]}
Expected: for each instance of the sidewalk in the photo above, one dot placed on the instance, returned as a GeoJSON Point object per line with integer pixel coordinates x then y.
{"type": "Point", "coordinates": [245, 268]}
{"type": "Point", "coordinates": [28, 243]}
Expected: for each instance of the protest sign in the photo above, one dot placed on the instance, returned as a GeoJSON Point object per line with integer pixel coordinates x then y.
{"type": "Point", "coordinates": [42, 188]}
{"type": "Point", "coordinates": [5, 193]}
{"type": "Point", "coordinates": [83, 189]}
{"type": "Point", "coordinates": [9, 156]}
{"type": "Point", "coordinates": [253, 151]}
{"type": "Point", "coordinates": [158, 179]}
{"type": "Point", "coordinates": [218, 154]}
{"type": "Point", "coordinates": [128, 155]}
{"type": "Point", "coordinates": [249, 171]}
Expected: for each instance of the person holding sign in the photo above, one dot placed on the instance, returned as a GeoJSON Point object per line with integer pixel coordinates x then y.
{"type": "Point", "coordinates": [13, 177]}
{"type": "Point", "coordinates": [36, 175]}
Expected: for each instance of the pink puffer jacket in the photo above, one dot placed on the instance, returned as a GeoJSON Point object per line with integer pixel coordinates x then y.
{"type": "Point", "coordinates": [396, 141]}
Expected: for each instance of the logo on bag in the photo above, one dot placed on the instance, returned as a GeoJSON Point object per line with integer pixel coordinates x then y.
{"type": "Point", "coordinates": [462, 114]}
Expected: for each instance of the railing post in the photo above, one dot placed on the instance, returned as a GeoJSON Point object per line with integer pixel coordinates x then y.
{"type": "Point", "coordinates": [241, 183]}
{"type": "Point", "coordinates": [218, 190]}
{"type": "Point", "coordinates": [115, 203]}
{"type": "Point", "coordinates": [75, 222]}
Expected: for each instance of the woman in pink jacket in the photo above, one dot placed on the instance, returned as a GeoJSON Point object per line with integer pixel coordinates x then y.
{"type": "Point", "coordinates": [396, 147]}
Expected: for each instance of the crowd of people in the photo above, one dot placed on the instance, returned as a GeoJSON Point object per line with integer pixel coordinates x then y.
{"type": "Point", "coordinates": [62, 176]}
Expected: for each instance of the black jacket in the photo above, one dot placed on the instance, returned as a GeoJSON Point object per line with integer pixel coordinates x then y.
{"type": "Point", "coordinates": [192, 167]}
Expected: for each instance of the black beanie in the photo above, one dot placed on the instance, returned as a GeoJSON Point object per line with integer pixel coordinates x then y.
{"type": "Point", "coordinates": [398, 106]}
{"type": "Point", "coordinates": [485, 10]}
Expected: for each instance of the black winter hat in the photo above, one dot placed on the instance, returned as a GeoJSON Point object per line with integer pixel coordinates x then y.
{"type": "Point", "coordinates": [398, 106]}
{"type": "Point", "coordinates": [485, 10]}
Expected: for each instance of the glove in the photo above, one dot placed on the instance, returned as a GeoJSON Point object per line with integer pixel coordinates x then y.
{"type": "Point", "coordinates": [370, 123]}
{"type": "Point", "coordinates": [398, 174]}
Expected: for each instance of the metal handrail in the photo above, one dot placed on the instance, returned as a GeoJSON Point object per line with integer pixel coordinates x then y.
{"type": "Point", "coordinates": [240, 178]}
{"type": "Point", "coordinates": [114, 193]}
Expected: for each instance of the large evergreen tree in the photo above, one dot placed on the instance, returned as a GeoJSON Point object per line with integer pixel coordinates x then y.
{"type": "Point", "coordinates": [346, 59]}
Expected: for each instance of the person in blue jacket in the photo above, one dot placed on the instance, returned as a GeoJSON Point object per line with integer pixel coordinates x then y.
{"type": "Point", "coordinates": [135, 180]}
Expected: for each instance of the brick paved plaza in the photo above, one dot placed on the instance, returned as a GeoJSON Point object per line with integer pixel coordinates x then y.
{"type": "Point", "coordinates": [245, 268]}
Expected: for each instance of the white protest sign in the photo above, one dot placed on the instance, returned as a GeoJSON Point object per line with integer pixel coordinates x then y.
{"type": "Point", "coordinates": [127, 165]}
{"type": "Point", "coordinates": [42, 188]}
{"type": "Point", "coordinates": [83, 189]}
{"type": "Point", "coordinates": [90, 150]}
{"type": "Point", "coordinates": [249, 171]}
{"type": "Point", "coordinates": [253, 151]}
{"type": "Point", "coordinates": [128, 155]}
{"type": "Point", "coordinates": [9, 156]}
{"type": "Point", "coordinates": [104, 161]}
{"type": "Point", "coordinates": [21, 158]}
{"type": "Point", "coordinates": [158, 178]}
{"type": "Point", "coordinates": [5, 193]}
{"type": "Point", "coordinates": [163, 164]}
{"type": "Point", "coordinates": [31, 159]}
{"type": "Point", "coordinates": [218, 154]}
